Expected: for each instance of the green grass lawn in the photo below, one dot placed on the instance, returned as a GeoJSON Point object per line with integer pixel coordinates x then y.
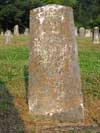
{"type": "Point", "coordinates": [13, 83]}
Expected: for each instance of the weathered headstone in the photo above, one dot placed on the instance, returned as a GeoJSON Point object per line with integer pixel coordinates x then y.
{"type": "Point", "coordinates": [26, 32]}
{"type": "Point", "coordinates": [82, 32]}
{"type": "Point", "coordinates": [16, 30]}
{"type": "Point", "coordinates": [8, 37]}
{"type": "Point", "coordinates": [54, 77]}
{"type": "Point", "coordinates": [96, 35]}
{"type": "Point", "coordinates": [88, 33]}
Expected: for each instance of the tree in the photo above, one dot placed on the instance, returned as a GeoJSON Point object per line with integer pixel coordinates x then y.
{"type": "Point", "coordinates": [17, 11]}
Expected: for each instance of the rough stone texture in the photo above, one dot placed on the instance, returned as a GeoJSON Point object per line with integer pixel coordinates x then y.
{"type": "Point", "coordinates": [54, 77]}
{"type": "Point", "coordinates": [82, 32]}
{"type": "Point", "coordinates": [8, 37]}
{"type": "Point", "coordinates": [16, 30]}
{"type": "Point", "coordinates": [96, 35]}
{"type": "Point", "coordinates": [88, 33]}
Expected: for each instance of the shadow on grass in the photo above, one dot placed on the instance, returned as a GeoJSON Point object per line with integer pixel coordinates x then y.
{"type": "Point", "coordinates": [26, 78]}
{"type": "Point", "coordinates": [10, 120]}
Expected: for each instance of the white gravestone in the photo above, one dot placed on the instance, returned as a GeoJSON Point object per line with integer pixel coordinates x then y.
{"type": "Point", "coordinates": [96, 35]}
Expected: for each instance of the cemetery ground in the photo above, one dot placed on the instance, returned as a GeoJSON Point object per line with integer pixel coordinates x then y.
{"type": "Point", "coordinates": [14, 114]}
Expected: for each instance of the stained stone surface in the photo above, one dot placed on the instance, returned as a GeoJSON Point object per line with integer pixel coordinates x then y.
{"type": "Point", "coordinates": [54, 77]}
{"type": "Point", "coordinates": [82, 32]}
{"type": "Point", "coordinates": [96, 35]}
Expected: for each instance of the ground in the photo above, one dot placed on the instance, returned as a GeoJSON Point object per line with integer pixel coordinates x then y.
{"type": "Point", "coordinates": [14, 114]}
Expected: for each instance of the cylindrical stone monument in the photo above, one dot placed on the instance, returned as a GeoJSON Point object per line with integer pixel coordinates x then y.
{"type": "Point", "coordinates": [82, 32]}
{"type": "Point", "coordinates": [96, 35]}
{"type": "Point", "coordinates": [54, 76]}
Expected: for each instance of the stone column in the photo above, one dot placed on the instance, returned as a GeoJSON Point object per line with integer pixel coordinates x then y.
{"type": "Point", "coordinates": [96, 35]}
{"type": "Point", "coordinates": [82, 32]}
{"type": "Point", "coordinates": [8, 37]}
{"type": "Point", "coordinates": [16, 30]}
{"type": "Point", "coordinates": [54, 76]}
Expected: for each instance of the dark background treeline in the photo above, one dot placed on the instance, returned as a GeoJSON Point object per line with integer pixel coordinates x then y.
{"type": "Point", "coordinates": [12, 12]}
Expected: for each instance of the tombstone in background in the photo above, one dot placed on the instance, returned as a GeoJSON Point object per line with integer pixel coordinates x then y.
{"type": "Point", "coordinates": [8, 37]}
{"type": "Point", "coordinates": [16, 30]}
{"type": "Point", "coordinates": [82, 32]}
{"type": "Point", "coordinates": [96, 35]}
{"type": "Point", "coordinates": [88, 33]}
{"type": "Point", "coordinates": [54, 76]}
{"type": "Point", "coordinates": [76, 31]}
{"type": "Point", "coordinates": [2, 34]}
{"type": "Point", "coordinates": [26, 32]}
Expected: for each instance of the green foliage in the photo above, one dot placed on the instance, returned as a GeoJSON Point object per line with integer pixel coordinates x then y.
{"type": "Point", "coordinates": [53, 1]}
{"type": "Point", "coordinates": [62, 2]}
{"type": "Point", "coordinates": [86, 12]}
{"type": "Point", "coordinates": [17, 12]}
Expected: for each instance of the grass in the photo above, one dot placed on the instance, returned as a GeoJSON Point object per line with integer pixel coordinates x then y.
{"type": "Point", "coordinates": [13, 74]}
{"type": "Point", "coordinates": [89, 59]}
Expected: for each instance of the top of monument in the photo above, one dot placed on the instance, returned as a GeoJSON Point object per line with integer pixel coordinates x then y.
{"type": "Point", "coordinates": [50, 7]}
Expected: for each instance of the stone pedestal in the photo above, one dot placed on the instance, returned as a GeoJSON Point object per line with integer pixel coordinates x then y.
{"type": "Point", "coordinates": [54, 76]}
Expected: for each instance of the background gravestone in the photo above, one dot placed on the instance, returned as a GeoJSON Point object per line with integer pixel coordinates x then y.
{"type": "Point", "coordinates": [16, 30]}
{"type": "Point", "coordinates": [88, 33]}
{"type": "Point", "coordinates": [2, 33]}
{"type": "Point", "coordinates": [26, 32]}
{"type": "Point", "coordinates": [76, 31]}
{"type": "Point", "coordinates": [81, 31]}
{"type": "Point", "coordinates": [54, 77]}
{"type": "Point", "coordinates": [96, 35]}
{"type": "Point", "coordinates": [8, 37]}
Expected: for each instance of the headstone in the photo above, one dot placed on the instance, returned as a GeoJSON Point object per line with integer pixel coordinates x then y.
{"type": "Point", "coordinates": [96, 35]}
{"type": "Point", "coordinates": [8, 37]}
{"type": "Point", "coordinates": [82, 32]}
{"type": "Point", "coordinates": [2, 33]}
{"type": "Point", "coordinates": [88, 33]}
{"type": "Point", "coordinates": [16, 30]}
{"type": "Point", "coordinates": [54, 76]}
{"type": "Point", "coordinates": [76, 31]}
{"type": "Point", "coordinates": [26, 32]}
